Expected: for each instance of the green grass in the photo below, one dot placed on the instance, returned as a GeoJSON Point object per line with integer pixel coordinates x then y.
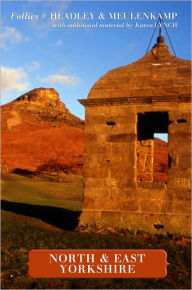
{"type": "Point", "coordinates": [42, 191]}
{"type": "Point", "coordinates": [21, 234]}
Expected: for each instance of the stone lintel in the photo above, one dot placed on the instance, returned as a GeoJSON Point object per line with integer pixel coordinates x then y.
{"type": "Point", "coordinates": [135, 100]}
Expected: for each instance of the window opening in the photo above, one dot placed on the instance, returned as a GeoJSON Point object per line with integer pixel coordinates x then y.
{"type": "Point", "coordinates": [152, 147]}
{"type": "Point", "coordinates": [111, 123]}
{"type": "Point", "coordinates": [182, 121]}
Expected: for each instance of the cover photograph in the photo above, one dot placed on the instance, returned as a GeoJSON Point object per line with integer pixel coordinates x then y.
{"type": "Point", "coordinates": [95, 144]}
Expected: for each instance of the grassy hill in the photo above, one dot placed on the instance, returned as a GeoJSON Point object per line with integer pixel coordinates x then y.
{"type": "Point", "coordinates": [44, 190]}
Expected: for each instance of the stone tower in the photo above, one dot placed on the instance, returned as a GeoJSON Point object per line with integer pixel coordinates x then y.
{"type": "Point", "coordinates": [124, 109]}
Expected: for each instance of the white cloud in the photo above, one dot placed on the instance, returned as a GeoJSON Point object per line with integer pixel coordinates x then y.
{"type": "Point", "coordinates": [59, 42]}
{"type": "Point", "coordinates": [13, 79]}
{"type": "Point", "coordinates": [34, 65]}
{"type": "Point", "coordinates": [43, 26]}
{"type": "Point", "coordinates": [61, 79]}
{"type": "Point", "coordinates": [10, 35]}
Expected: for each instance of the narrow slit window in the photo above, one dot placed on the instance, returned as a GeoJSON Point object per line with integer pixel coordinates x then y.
{"type": "Point", "coordinates": [110, 123]}
{"type": "Point", "coordinates": [181, 121]}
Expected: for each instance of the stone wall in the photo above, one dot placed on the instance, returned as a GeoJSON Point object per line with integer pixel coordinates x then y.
{"type": "Point", "coordinates": [113, 196]}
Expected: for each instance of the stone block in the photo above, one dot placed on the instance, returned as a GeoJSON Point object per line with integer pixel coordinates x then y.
{"type": "Point", "coordinates": [184, 161]}
{"type": "Point", "coordinates": [97, 172]}
{"type": "Point", "coordinates": [116, 159]}
{"type": "Point", "coordinates": [179, 182]}
{"type": "Point", "coordinates": [109, 218]}
{"type": "Point", "coordinates": [181, 138]}
{"type": "Point", "coordinates": [150, 206]}
{"type": "Point", "coordinates": [152, 194]}
{"type": "Point", "coordinates": [90, 137]}
{"type": "Point", "coordinates": [99, 129]}
{"type": "Point", "coordinates": [151, 186]}
{"type": "Point", "coordinates": [178, 194]}
{"type": "Point", "coordinates": [96, 120]}
{"type": "Point", "coordinates": [98, 111]}
{"type": "Point", "coordinates": [121, 138]}
{"type": "Point", "coordinates": [180, 111]}
{"type": "Point", "coordinates": [172, 147]}
{"type": "Point", "coordinates": [144, 92]}
{"type": "Point", "coordinates": [123, 148]}
{"type": "Point", "coordinates": [123, 111]}
{"type": "Point", "coordinates": [88, 203]}
{"type": "Point", "coordinates": [124, 173]}
{"type": "Point", "coordinates": [180, 128]}
{"type": "Point", "coordinates": [185, 108]}
{"type": "Point", "coordinates": [96, 148]}
{"type": "Point", "coordinates": [129, 204]}
{"type": "Point", "coordinates": [176, 207]}
{"type": "Point", "coordinates": [90, 218]}
{"type": "Point", "coordinates": [100, 182]}
{"type": "Point", "coordinates": [129, 193]}
{"type": "Point", "coordinates": [185, 89]}
{"type": "Point", "coordinates": [128, 128]}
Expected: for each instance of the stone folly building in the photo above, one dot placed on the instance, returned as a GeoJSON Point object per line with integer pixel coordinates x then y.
{"type": "Point", "coordinates": [124, 109]}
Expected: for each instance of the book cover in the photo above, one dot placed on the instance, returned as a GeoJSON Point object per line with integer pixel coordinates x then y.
{"type": "Point", "coordinates": [95, 144]}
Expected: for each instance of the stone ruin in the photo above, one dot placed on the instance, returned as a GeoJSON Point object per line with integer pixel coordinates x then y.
{"type": "Point", "coordinates": [124, 109]}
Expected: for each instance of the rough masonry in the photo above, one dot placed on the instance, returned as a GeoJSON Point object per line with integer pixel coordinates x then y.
{"type": "Point", "coordinates": [124, 109]}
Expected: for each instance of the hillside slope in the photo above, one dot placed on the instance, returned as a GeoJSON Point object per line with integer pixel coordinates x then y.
{"type": "Point", "coordinates": [38, 131]}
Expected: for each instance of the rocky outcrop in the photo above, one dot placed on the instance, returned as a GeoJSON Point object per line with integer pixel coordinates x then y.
{"type": "Point", "coordinates": [43, 105]}
{"type": "Point", "coordinates": [37, 129]}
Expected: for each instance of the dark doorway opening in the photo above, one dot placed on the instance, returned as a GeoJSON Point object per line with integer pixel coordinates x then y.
{"type": "Point", "coordinates": [150, 123]}
{"type": "Point", "coordinates": [152, 151]}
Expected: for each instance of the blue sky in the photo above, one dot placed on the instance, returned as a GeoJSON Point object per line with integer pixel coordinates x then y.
{"type": "Point", "coordinates": [71, 60]}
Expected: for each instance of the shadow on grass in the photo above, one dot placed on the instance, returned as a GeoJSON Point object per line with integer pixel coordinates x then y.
{"type": "Point", "coordinates": [23, 172]}
{"type": "Point", "coordinates": [61, 218]}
